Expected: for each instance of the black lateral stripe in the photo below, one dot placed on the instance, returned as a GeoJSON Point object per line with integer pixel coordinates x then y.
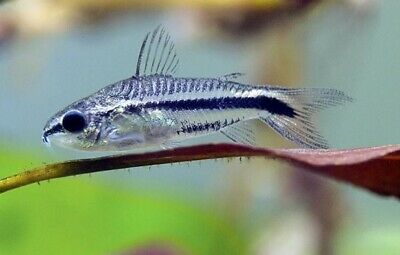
{"type": "Point", "coordinates": [198, 127]}
{"type": "Point", "coordinates": [270, 104]}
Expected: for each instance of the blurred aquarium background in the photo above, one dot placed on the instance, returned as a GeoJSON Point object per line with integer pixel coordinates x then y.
{"type": "Point", "coordinates": [53, 52]}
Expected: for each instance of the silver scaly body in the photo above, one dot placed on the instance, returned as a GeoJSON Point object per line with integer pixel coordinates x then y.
{"type": "Point", "coordinates": [156, 108]}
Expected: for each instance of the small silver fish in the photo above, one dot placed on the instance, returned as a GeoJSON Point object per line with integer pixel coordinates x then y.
{"type": "Point", "coordinates": [155, 108]}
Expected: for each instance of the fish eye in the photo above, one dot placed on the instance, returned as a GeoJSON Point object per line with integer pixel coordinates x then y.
{"type": "Point", "coordinates": [74, 121]}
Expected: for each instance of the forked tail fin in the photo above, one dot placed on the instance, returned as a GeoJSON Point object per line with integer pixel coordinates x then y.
{"type": "Point", "coordinates": [299, 128]}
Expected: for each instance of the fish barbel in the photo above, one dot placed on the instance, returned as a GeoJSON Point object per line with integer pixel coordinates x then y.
{"type": "Point", "coordinates": [153, 107]}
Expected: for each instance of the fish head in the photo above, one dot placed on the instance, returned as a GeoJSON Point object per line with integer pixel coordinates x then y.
{"type": "Point", "coordinates": [107, 121]}
{"type": "Point", "coordinates": [76, 126]}
{"type": "Point", "coordinates": [98, 123]}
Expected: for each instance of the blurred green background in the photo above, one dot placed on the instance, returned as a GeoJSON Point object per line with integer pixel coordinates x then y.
{"type": "Point", "coordinates": [54, 52]}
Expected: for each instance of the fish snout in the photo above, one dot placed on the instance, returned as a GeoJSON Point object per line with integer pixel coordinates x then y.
{"type": "Point", "coordinates": [50, 130]}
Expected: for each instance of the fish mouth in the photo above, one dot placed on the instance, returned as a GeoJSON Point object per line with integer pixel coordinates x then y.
{"type": "Point", "coordinates": [45, 140]}
{"type": "Point", "coordinates": [50, 131]}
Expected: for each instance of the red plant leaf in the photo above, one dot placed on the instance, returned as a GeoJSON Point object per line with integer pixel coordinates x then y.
{"type": "Point", "coordinates": [376, 169]}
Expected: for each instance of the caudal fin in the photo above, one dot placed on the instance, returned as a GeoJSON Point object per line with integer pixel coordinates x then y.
{"type": "Point", "coordinates": [299, 127]}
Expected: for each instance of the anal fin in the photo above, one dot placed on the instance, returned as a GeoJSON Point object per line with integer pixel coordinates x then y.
{"type": "Point", "coordinates": [300, 131]}
{"type": "Point", "coordinates": [241, 132]}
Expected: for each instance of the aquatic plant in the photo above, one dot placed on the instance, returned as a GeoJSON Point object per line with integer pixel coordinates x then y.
{"type": "Point", "coordinates": [375, 168]}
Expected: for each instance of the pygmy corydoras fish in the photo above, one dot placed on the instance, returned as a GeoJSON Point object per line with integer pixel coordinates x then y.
{"type": "Point", "coordinates": [155, 108]}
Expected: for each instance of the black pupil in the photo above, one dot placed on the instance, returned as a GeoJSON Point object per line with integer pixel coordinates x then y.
{"type": "Point", "coordinates": [74, 122]}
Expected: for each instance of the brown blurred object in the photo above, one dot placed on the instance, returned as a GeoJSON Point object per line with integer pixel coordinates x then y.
{"type": "Point", "coordinates": [245, 21]}
{"type": "Point", "coordinates": [324, 205]}
{"type": "Point", "coordinates": [235, 17]}
{"type": "Point", "coordinates": [363, 6]}
{"type": "Point", "coordinates": [7, 30]}
{"type": "Point", "coordinates": [43, 16]}
{"type": "Point", "coordinates": [155, 248]}
{"type": "Point", "coordinates": [283, 63]}
{"type": "Point", "coordinates": [33, 17]}
{"type": "Point", "coordinates": [280, 61]}
{"type": "Point", "coordinates": [118, 5]}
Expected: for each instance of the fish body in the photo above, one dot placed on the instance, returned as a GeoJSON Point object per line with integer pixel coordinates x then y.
{"type": "Point", "coordinates": [154, 107]}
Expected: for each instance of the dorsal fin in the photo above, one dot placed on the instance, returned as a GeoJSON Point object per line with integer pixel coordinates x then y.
{"type": "Point", "coordinates": [158, 54]}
